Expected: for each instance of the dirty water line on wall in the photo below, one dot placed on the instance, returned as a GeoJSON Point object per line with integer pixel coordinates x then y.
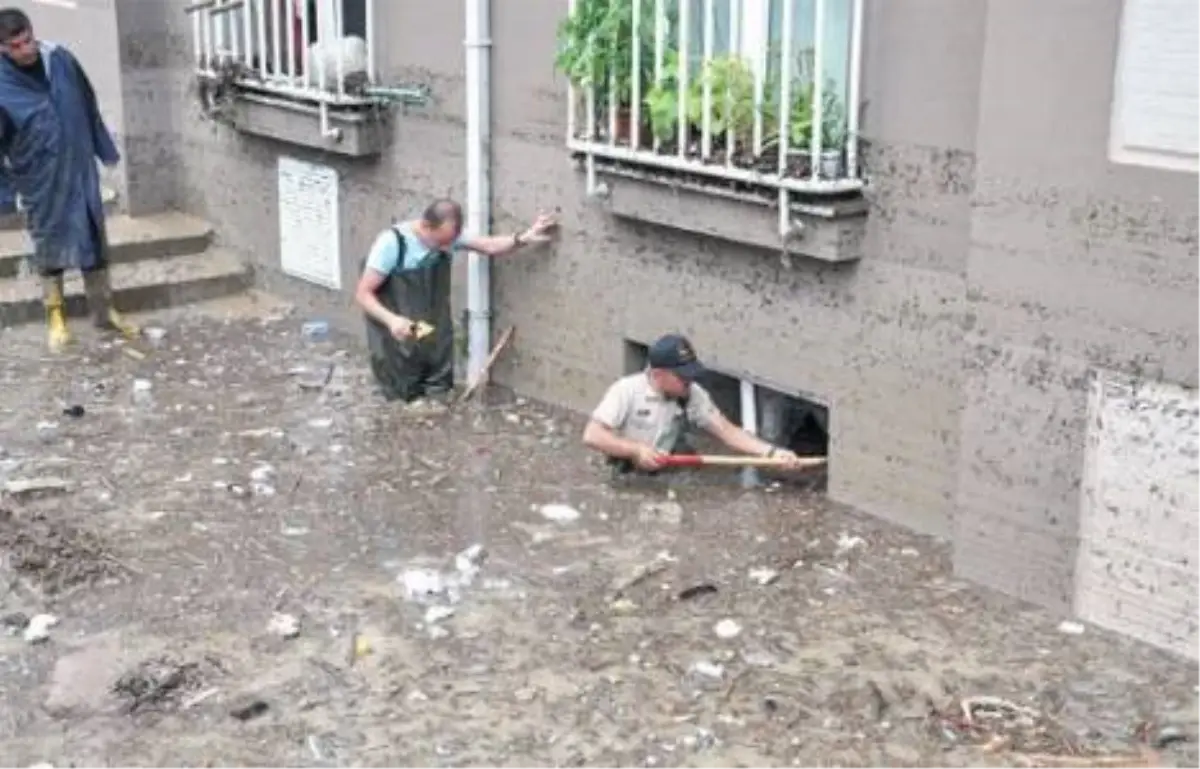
{"type": "Point", "coordinates": [478, 45]}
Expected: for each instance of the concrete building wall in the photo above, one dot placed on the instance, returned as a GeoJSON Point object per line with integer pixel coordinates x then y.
{"type": "Point", "coordinates": [1007, 262]}
{"type": "Point", "coordinates": [1077, 268]}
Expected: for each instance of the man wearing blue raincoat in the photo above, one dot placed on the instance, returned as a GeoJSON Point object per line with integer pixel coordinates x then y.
{"type": "Point", "coordinates": [51, 135]}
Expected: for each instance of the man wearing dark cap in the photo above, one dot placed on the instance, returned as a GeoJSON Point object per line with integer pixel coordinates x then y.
{"type": "Point", "coordinates": [645, 416]}
{"type": "Point", "coordinates": [405, 293]}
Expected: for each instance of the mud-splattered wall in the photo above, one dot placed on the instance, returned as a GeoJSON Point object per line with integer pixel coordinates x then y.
{"type": "Point", "coordinates": [1005, 258]}
{"type": "Point", "coordinates": [1076, 265]}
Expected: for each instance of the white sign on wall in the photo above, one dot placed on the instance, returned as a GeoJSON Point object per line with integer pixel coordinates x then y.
{"type": "Point", "coordinates": [310, 233]}
{"type": "Point", "coordinates": [1156, 99]}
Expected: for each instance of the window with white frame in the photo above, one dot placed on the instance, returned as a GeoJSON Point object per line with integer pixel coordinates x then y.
{"type": "Point", "coordinates": [757, 78]}
{"type": "Point", "coordinates": [304, 48]}
{"type": "Point", "coordinates": [1156, 97]}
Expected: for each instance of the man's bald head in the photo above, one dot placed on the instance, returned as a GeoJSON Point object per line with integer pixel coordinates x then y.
{"type": "Point", "coordinates": [442, 222]}
{"type": "Point", "coordinates": [443, 211]}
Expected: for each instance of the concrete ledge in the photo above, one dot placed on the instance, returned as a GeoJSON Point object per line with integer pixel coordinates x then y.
{"type": "Point", "coordinates": [828, 231]}
{"type": "Point", "coordinates": [130, 239]}
{"type": "Point", "coordinates": [147, 285]}
{"type": "Point", "coordinates": [361, 129]}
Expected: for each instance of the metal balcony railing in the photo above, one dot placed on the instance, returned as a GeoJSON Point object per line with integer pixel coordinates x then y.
{"type": "Point", "coordinates": [758, 92]}
{"type": "Point", "coordinates": [293, 48]}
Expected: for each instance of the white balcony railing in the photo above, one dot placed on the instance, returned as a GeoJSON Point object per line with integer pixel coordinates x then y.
{"type": "Point", "coordinates": [756, 92]}
{"type": "Point", "coordinates": [314, 50]}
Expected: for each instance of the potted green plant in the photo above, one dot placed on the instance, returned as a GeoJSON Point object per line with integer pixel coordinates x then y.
{"type": "Point", "coordinates": [833, 128]}
{"type": "Point", "coordinates": [661, 101]}
{"type": "Point", "coordinates": [730, 81]}
{"type": "Point", "coordinates": [595, 50]}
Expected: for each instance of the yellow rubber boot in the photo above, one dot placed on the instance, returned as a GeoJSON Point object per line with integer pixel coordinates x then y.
{"type": "Point", "coordinates": [117, 322]}
{"type": "Point", "coordinates": [58, 335]}
{"type": "Point", "coordinates": [99, 295]}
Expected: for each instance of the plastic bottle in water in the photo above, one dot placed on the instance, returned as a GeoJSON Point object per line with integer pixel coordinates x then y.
{"type": "Point", "coordinates": [315, 330]}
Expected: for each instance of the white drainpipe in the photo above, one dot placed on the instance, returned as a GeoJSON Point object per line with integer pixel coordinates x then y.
{"type": "Point", "coordinates": [749, 423]}
{"type": "Point", "coordinates": [479, 180]}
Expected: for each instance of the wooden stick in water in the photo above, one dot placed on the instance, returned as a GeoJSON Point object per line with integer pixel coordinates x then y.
{"type": "Point", "coordinates": [470, 389]}
{"type": "Point", "coordinates": [716, 460]}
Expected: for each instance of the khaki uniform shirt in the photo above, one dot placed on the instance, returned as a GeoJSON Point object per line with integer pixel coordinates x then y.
{"type": "Point", "coordinates": [633, 409]}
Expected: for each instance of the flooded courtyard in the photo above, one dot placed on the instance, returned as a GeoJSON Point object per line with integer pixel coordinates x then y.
{"type": "Point", "coordinates": [221, 548]}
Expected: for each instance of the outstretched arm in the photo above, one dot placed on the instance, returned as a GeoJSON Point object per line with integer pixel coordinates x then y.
{"type": "Point", "coordinates": [498, 245]}
{"type": "Point", "coordinates": [703, 412]}
{"type": "Point", "coordinates": [735, 438]}
{"type": "Point", "coordinates": [102, 140]}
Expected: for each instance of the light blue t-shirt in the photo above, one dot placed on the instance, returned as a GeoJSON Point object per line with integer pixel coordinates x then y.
{"type": "Point", "coordinates": [385, 252]}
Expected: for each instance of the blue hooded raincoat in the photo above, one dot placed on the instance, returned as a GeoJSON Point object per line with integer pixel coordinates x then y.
{"type": "Point", "coordinates": [50, 138]}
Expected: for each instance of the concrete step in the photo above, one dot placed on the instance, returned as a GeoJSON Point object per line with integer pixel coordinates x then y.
{"type": "Point", "coordinates": [130, 239]}
{"type": "Point", "coordinates": [10, 220]}
{"type": "Point", "coordinates": [137, 286]}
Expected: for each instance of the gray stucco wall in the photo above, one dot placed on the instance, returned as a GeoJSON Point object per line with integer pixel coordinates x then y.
{"type": "Point", "coordinates": [1075, 266]}
{"type": "Point", "coordinates": [1007, 261]}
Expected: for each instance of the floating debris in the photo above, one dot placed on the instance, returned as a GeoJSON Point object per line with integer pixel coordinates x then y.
{"type": "Point", "coordinates": [284, 626]}
{"type": "Point", "coordinates": [162, 683]}
{"type": "Point", "coordinates": [435, 614]}
{"type": "Point", "coordinates": [695, 591]}
{"type": "Point", "coordinates": [252, 709]}
{"type": "Point", "coordinates": [24, 486]}
{"type": "Point", "coordinates": [708, 669]}
{"type": "Point", "coordinates": [764, 576]}
{"type": "Point", "coordinates": [38, 629]}
{"type": "Point", "coordinates": [559, 513]}
{"type": "Point", "coordinates": [727, 629]}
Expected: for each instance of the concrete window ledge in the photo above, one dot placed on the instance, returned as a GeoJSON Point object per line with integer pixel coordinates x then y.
{"type": "Point", "coordinates": [830, 230]}
{"type": "Point", "coordinates": [361, 131]}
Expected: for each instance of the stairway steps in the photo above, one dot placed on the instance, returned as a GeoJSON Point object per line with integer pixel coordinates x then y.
{"type": "Point", "coordinates": [144, 284]}
{"type": "Point", "coordinates": [130, 239]}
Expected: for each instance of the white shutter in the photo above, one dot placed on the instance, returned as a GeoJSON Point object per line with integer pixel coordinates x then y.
{"type": "Point", "coordinates": [1156, 101]}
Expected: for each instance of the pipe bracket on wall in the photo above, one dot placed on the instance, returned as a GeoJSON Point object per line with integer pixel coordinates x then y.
{"type": "Point", "coordinates": [595, 189]}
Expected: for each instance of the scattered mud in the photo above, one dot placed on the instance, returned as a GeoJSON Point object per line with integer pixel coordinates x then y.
{"type": "Point", "coordinates": [51, 557]}
{"type": "Point", "coordinates": [249, 472]}
{"type": "Point", "coordinates": [164, 683]}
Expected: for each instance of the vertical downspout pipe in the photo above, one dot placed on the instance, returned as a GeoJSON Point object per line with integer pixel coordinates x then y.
{"type": "Point", "coordinates": [749, 403]}
{"type": "Point", "coordinates": [478, 46]}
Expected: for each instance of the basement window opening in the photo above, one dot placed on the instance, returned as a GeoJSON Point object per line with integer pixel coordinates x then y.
{"type": "Point", "coordinates": [786, 419]}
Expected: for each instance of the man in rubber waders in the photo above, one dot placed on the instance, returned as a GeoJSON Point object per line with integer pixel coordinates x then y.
{"type": "Point", "coordinates": [51, 135]}
{"type": "Point", "coordinates": [405, 293]}
{"type": "Point", "coordinates": [647, 416]}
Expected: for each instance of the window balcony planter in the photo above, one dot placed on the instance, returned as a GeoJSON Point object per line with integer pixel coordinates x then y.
{"type": "Point", "coordinates": [296, 71]}
{"type": "Point", "coordinates": [736, 117]}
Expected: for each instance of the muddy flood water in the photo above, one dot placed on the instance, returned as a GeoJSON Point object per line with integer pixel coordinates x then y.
{"type": "Point", "coordinates": [227, 551]}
